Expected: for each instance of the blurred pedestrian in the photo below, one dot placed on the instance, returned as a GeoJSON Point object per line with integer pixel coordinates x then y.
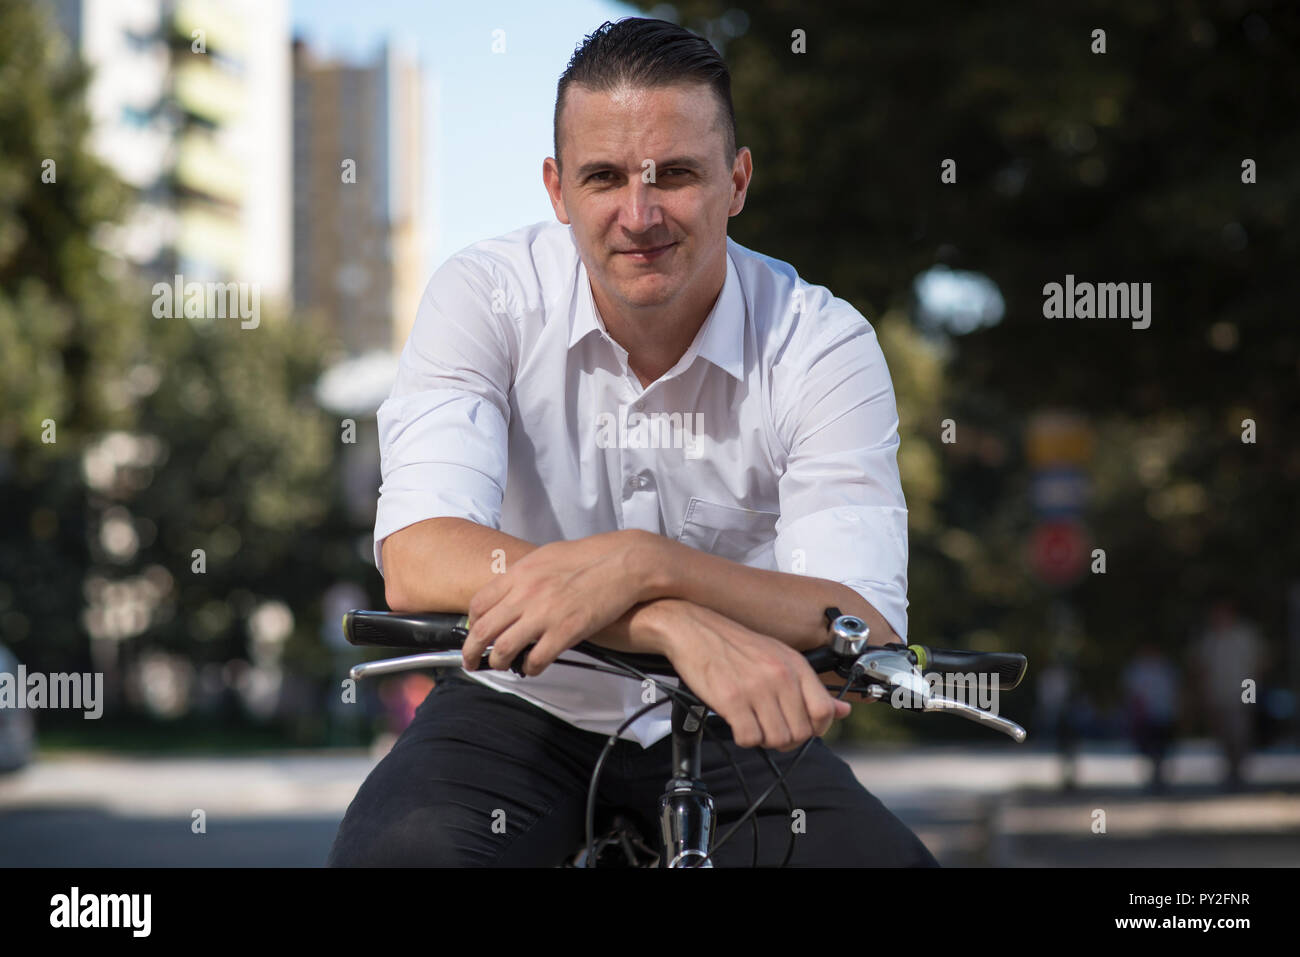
{"type": "Point", "coordinates": [1230, 654]}
{"type": "Point", "coordinates": [1058, 718]}
{"type": "Point", "coordinates": [1151, 705]}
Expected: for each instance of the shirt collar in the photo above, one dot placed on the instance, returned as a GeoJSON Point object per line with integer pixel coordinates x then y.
{"type": "Point", "coordinates": [721, 338]}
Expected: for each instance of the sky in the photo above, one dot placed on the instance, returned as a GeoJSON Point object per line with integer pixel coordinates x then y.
{"type": "Point", "coordinates": [487, 115]}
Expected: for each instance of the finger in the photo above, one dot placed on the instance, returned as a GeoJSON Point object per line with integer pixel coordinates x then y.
{"type": "Point", "coordinates": [818, 703]}
{"type": "Point", "coordinates": [510, 642]}
{"type": "Point", "coordinates": [822, 707]}
{"type": "Point", "coordinates": [771, 718]}
{"type": "Point", "coordinates": [745, 728]}
{"type": "Point", "coordinates": [795, 712]}
{"type": "Point", "coordinates": [550, 646]}
{"type": "Point", "coordinates": [471, 650]}
{"type": "Point", "coordinates": [485, 632]}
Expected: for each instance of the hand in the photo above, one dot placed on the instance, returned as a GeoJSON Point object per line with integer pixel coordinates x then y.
{"type": "Point", "coordinates": [557, 595]}
{"type": "Point", "coordinates": [764, 689]}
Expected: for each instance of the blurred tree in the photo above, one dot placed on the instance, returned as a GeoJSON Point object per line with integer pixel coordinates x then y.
{"type": "Point", "coordinates": [173, 434]}
{"type": "Point", "coordinates": [1122, 166]}
{"type": "Point", "coordinates": [60, 341]}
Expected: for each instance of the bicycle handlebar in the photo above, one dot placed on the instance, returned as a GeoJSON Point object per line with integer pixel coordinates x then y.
{"type": "Point", "coordinates": [446, 631]}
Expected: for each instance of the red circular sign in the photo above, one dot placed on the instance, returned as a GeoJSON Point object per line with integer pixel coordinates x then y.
{"type": "Point", "coordinates": [1059, 552]}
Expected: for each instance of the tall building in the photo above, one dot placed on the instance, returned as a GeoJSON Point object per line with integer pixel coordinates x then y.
{"type": "Point", "coordinates": [358, 199]}
{"type": "Point", "coordinates": [190, 105]}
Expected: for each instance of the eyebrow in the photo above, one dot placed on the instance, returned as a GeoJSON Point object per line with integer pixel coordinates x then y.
{"type": "Point", "coordinates": [595, 166]}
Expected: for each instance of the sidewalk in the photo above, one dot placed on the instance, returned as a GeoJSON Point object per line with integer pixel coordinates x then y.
{"type": "Point", "coordinates": [1185, 828]}
{"type": "Point", "coordinates": [1006, 807]}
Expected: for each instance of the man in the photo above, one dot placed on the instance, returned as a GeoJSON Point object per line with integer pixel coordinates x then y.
{"type": "Point", "coordinates": [627, 428]}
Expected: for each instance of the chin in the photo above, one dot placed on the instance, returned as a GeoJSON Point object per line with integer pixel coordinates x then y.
{"type": "Point", "coordinates": [643, 293]}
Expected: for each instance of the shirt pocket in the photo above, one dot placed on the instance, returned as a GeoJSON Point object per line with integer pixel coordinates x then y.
{"type": "Point", "coordinates": [742, 535]}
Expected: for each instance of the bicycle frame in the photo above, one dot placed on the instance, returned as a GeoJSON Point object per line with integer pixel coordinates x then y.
{"type": "Point", "coordinates": [686, 807]}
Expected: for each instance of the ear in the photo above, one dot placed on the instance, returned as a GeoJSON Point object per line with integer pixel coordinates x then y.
{"type": "Point", "coordinates": [741, 174]}
{"type": "Point", "coordinates": [551, 180]}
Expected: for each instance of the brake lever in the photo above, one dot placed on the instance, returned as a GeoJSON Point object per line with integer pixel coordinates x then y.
{"type": "Point", "coordinates": [892, 668]}
{"type": "Point", "coordinates": [937, 702]}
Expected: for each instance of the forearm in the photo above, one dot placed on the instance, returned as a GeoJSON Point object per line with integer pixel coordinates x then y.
{"type": "Point", "coordinates": [785, 606]}
{"type": "Point", "coordinates": [642, 628]}
{"type": "Point", "coordinates": [439, 564]}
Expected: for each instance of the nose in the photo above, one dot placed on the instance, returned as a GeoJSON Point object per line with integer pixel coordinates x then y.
{"type": "Point", "coordinates": [640, 211]}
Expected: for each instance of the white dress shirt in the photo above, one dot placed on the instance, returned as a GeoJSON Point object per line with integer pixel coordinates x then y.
{"type": "Point", "coordinates": [514, 408]}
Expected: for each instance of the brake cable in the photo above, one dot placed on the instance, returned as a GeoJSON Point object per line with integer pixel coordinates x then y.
{"type": "Point", "coordinates": [672, 692]}
{"type": "Point", "coordinates": [789, 804]}
{"type": "Point", "coordinates": [780, 779]}
{"type": "Point", "coordinates": [605, 752]}
{"type": "Point", "coordinates": [740, 777]}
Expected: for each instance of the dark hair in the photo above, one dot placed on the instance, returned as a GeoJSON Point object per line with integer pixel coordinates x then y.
{"type": "Point", "coordinates": [641, 52]}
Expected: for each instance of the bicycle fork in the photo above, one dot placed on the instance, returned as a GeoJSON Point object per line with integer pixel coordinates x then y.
{"type": "Point", "coordinates": [686, 808]}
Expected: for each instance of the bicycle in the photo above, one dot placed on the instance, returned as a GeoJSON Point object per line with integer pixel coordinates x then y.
{"type": "Point", "coordinates": [686, 817]}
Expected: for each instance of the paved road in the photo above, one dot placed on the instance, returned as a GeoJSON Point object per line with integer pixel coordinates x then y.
{"type": "Point", "coordinates": [972, 807]}
{"type": "Point", "coordinates": [109, 810]}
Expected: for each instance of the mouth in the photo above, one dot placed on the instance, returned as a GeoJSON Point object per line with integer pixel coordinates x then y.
{"type": "Point", "coordinates": [648, 254]}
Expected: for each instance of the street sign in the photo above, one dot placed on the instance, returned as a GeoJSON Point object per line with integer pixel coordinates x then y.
{"type": "Point", "coordinates": [1059, 552]}
{"type": "Point", "coordinates": [1059, 492]}
{"type": "Point", "coordinates": [1058, 438]}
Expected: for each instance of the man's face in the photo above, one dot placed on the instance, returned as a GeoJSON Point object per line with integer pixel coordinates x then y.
{"type": "Point", "coordinates": [607, 194]}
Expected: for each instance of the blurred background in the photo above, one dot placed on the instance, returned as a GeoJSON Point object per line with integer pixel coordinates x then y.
{"type": "Point", "coordinates": [186, 504]}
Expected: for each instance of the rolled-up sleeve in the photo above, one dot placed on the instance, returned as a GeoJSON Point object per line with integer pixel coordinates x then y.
{"type": "Point", "coordinates": [843, 515]}
{"type": "Point", "coordinates": [443, 430]}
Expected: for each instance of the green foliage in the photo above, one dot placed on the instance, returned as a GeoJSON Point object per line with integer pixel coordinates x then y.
{"type": "Point", "coordinates": [247, 474]}
{"type": "Point", "coordinates": [1123, 166]}
{"type": "Point", "coordinates": [172, 434]}
{"type": "Point", "coordinates": [57, 335]}
{"type": "Point", "coordinates": [57, 305]}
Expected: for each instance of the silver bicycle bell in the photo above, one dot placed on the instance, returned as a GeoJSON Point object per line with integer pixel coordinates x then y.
{"type": "Point", "coordinates": [849, 635]}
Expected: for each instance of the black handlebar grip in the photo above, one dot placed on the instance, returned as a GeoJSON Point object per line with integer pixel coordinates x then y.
{"type": "Point", "coordinates": [822, 659]}
{"type": "Point", "coordinates": [425, 631]}
{"type": "Point", "coordinates": [1009, 667]}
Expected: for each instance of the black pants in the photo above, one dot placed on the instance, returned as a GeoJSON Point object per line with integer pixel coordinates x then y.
{"type": "Point", "coordinates": [483, 778]}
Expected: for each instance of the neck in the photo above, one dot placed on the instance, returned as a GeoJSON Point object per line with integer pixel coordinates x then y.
{"type": "Point", "coordinates": [657, 336]}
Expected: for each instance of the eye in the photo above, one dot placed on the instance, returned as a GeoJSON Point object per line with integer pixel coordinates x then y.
{"type": "Point", "coordinates": [597, 176]}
